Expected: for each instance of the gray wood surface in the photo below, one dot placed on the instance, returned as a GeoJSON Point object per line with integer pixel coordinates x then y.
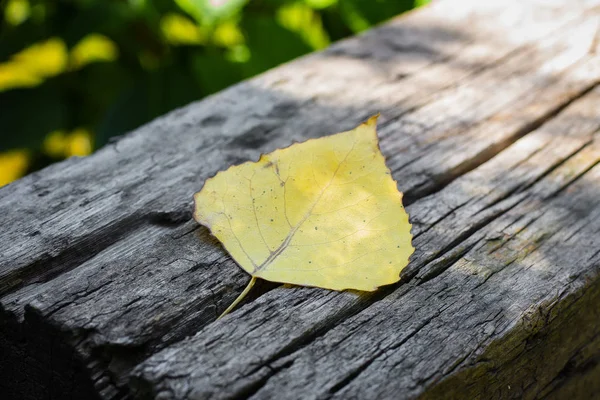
{"type": "Point", "coordinates": [490, 124]}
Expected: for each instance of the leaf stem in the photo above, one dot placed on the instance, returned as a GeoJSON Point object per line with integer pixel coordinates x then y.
{"type": "Point", "coordinates": [239, 298]}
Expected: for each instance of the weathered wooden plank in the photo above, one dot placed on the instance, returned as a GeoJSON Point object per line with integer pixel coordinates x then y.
{"type": "Point", "coordinates": [519, 285]}
{"type": "Point", "coordinates": [468, 314]}
{"type": "Point", "coordinates": [557, 96]}
{"type": "Point", "coordinates": [153, 171]}
{"type": "Point", "coordinates": [118, 268]}
{"type": "Point", "coordinates": [131, 229]}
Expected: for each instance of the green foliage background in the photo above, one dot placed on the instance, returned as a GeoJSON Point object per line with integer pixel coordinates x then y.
{"type": "Point", "coordinates": [167, 53]}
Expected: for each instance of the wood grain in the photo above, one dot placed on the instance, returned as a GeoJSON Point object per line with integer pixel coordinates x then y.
{"type": "Point", "coordinates": [109, 289]}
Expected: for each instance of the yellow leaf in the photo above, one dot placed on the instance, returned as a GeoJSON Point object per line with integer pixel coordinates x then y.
{"type": "Point", "coordinates": [44, 59]}
{"type": "Point", "coordinates": [323, 213]}
{"type": "Point", "coordinates": [179, 30]}
{"type": "Point", "coordinates": [55, 144]}
{"type": "Point", "coordinates": [32, 65]}
{"type": "Point", "coordinates": [13, 165]}
{"type": "Point", "coordinates": [59, 144]}
{"type": "Point", "coordinates": [79, 143]}
{"type": "Point", "coordinates": [93, 48]}
{"type": "Point", "coordinates": [13, 75]}
{"type": "Point", "coordinates": [227, 34]}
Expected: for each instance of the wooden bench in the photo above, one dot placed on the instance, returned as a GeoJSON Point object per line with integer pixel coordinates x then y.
{"type": "Point", "coordinates": [490, 118]}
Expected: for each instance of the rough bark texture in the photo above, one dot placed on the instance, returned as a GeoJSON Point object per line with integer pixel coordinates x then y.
{"type": "Point", "coordinates": [490, 124]}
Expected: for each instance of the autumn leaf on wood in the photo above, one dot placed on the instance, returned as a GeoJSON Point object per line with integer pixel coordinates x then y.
{"type": "Point", "coordinates": [324, 213]}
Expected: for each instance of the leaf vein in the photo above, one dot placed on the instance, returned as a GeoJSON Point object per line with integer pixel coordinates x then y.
{"type": "Point", "coordinates": [293, 231]}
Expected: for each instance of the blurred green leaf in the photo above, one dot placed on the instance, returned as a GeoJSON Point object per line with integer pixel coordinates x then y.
{"type": "Point", "coordinates": [16, 11]}
{"type": "Point", "coordinates": [362, 14]}
{"type": "Point", "coordinates": [420, 3]}
{"type": "Point", "coordinates": [320, 4]}
{"type": "Point", "coordinates": [305, 22]}
{"type": "Point", "coordinates": [270, 44]}
{"type": "Point", "coordinates": [211, 11]}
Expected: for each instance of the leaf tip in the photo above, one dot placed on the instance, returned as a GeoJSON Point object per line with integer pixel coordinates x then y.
{"type": "Point", "coordinates": [372, 121]}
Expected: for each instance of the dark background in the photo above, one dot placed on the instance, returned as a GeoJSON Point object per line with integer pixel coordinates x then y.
{"type": "Point", "coordinates": [75, 73]}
